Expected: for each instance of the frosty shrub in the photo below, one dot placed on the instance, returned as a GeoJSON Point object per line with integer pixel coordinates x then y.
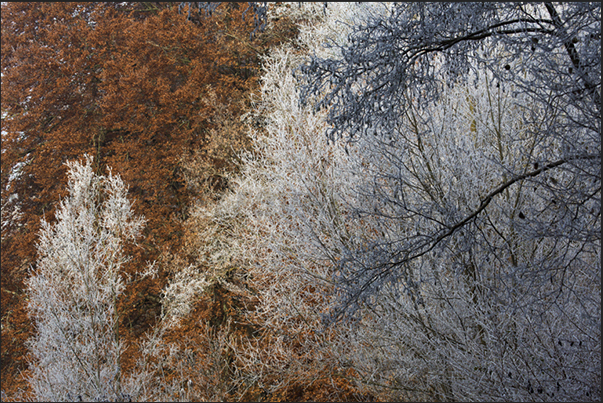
{"type": "Point", "coordinates": [73, 290]}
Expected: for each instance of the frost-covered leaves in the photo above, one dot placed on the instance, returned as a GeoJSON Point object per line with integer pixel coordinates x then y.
{"type": "Point", "coordinates": [74, 289]}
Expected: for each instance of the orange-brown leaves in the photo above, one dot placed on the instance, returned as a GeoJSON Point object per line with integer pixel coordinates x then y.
{"type": "Point", "coordinates": [135, 85]}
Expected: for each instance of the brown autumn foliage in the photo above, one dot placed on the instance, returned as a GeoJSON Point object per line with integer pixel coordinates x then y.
{"type": "Point", "coordinates": [137, 86]}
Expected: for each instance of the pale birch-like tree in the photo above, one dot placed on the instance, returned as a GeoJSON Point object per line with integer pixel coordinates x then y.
{"type": "Point", "coordinates": [74, 288]}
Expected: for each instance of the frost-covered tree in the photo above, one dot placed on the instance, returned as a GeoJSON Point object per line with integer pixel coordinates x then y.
{"type": "Point", "coordinates": [415, 51]}
{"type": "Point", "coordinates": [474, 129]}
{"type": "Point", "coordinates": [503, 303]}
{"type": "Point", "coordinates": [74, 288]}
